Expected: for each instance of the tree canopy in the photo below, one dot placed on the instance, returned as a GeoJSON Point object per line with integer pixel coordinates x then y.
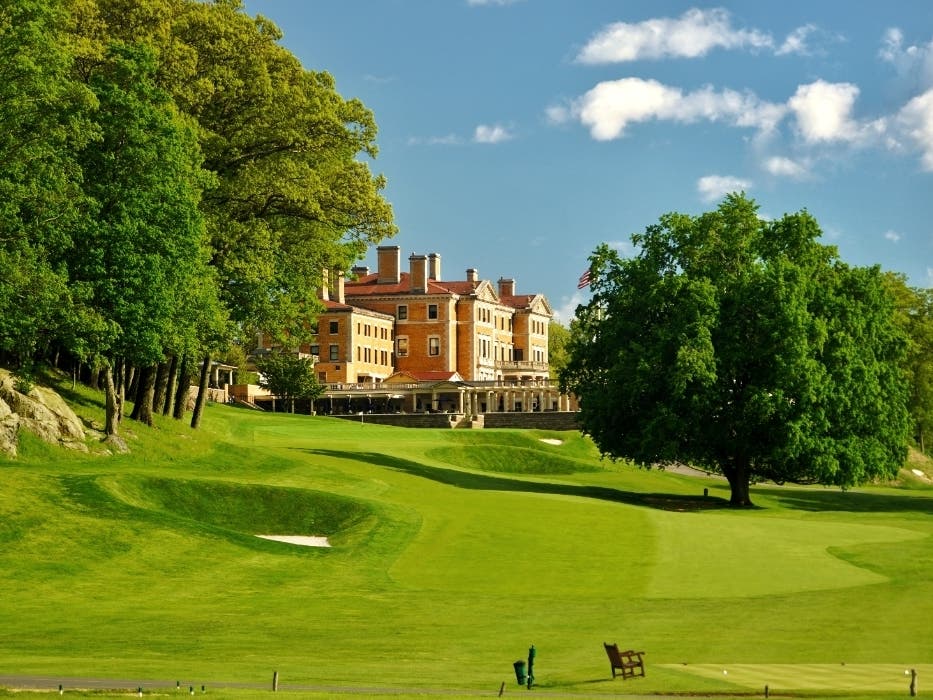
{"type": "Point", "coordinates": [557, 338]}
{"type": "Point", "coordinates": [172, 180]}
{"type": "Point", "coordinates": [43, 123]}
{"type": "Point", "coordinates": [744, 346]}
{"type": "Point", "coordinates": [915, 313]}
{"type": "Point", "coordinates": [289, 377]}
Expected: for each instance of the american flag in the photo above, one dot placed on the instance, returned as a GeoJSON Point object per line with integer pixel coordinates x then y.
{"type": "Point", "coordinates": [584, 280]}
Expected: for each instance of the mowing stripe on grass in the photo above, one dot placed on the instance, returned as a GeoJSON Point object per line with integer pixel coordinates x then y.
{"type": "Point", "coordinates": [837, 677]}
{"type": "Point", "coordinates": [720, 556]}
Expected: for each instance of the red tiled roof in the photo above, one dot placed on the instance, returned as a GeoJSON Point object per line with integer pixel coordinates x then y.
{"type": "Point", "coordinates": [518, 301]}
{"type": "Point", "coordinates": [462, 287]}
{"type": "Point", "coordinates": [368, 285]}
{"type": "Point", "coordinates": [331, 305]}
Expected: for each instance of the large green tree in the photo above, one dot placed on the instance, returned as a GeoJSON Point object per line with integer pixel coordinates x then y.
{"type": "Point", "coordinates": [558, 336]}
{"type": "Point", "coordinates": [288, 377]}
{"type": "Point", "coordinates": [744, 346]}
{"type": "Point", "coordinates": [43, 122]}
{"type": "Point", "coordinates": [141, 254]}
{"type": "Point", "coordinates": [915, 312]}
{"type": "Point", "coordinates": [108, 111]}
{"type": "Point", "coordinates": [294, 193]}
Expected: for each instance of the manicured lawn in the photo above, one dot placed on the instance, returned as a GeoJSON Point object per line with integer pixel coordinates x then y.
{"type": "Point", "coordinates": [453, 551]}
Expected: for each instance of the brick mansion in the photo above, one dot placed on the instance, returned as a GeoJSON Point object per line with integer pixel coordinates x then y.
{"type": "Point", "coordinates": [410, 341]}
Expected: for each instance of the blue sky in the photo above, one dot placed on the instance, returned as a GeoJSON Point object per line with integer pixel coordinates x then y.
{"type": "Point", "coordinates": [517, 135]}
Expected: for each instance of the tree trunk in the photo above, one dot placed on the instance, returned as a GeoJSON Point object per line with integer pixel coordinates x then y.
{"type": "Point", "coordinates": [94, 380]}
{"type": "Point", "coordinates": [202, 392]}
{"type": "Point", "coordinates": [129, 380]}
{"type": "Point", "coordinates": [170, 386]}
{"type": "Point", "coordinates": [181, 390]}
{"type": "Point", "coordinates": [738, 473]}
{"type": "Point", "coordinates": [161, 384]}
{"type": "Point", "coordinates": [120, 388]}
{"type": "Point", "coordinates": [138, 391]}
{"type": "Point", "coordinates": [112, 424]}
{"type": "Point", "coordinates": [145, 386]}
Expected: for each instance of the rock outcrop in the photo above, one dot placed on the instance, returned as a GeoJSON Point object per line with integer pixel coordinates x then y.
{"type": "Point", "coordinates": [42, 412]}
{"type": "Point", "coordinates": [9, 429]}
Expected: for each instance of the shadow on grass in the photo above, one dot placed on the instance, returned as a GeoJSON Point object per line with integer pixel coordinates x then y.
{"type": "Point", "coordinates": [73, 397]}
{"type": "Point", "coordinates": [810, 499]}
{"type": "Point", "coordinates": [829, 499]}
{"type": "Point", "coordinates": [470, 480]}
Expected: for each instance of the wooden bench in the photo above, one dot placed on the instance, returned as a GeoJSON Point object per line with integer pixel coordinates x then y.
{"type": "Point", "coordinates": [628, 663]}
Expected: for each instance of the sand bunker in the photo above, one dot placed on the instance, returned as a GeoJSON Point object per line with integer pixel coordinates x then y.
{"type": "Point", "coordinates": [552, 441]}
{"type": "Point", "coordinates": [300, 540]}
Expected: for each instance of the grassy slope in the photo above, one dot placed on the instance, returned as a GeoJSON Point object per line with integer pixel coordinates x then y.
{"type": "Point", "coordinates": [453, 552]}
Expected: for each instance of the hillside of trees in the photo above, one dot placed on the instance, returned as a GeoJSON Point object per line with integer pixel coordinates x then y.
{"type": "Point", "coordinates": [172, 182]}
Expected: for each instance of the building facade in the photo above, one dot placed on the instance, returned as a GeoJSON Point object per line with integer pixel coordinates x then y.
{"type": "Point", "coordinates": [397, 340]}
{"type": "Point", "coordinates": [468, 326]}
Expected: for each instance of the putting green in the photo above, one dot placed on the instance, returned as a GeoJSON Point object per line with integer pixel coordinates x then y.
{"type": "Point", "coordinates": [837, 677]}
{"type": "Point", "coordinates": [726, 558]}
{"type": "Point", "coordinates": [526, 541]}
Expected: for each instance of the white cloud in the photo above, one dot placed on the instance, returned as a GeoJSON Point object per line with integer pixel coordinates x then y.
{"type": "Point", "coordinates": [693, 34]}
{"type": "Point", "coordinates": [379, 79]}
{"type": "Point", "coordinates": [892, 236]}
{"type": "Point", "coordinates": [625, 248]}
{"type": "Point", "coordinates": [567, 310]}
{"type": "Point", "coordinates": [833, 233]}
{"type": "Point", "coordinates": [892, 45]}
{"type": "Point", "coordinates": [796, 41]}
{"type": "Point", "coordinates": [715, 187]}
{"type": "Point", "coordinates": [916, 121]}
{"type": "Point", "coordinates": [785, 167]}
{"type": "Point", "coordinates": [824, 111]}
{"type": "Point", "coordinates": [491, 134]}
{"type": "Point", "coordinates": [914, 62]}
{"type": "Point", "coordinates": [448, 140]}
{"type": "Point", "coordinates": [823, 116]}
{"type": "Point", "coordinates": [558, 114]}
{"type": "Point", "coordinates": [609, 107]}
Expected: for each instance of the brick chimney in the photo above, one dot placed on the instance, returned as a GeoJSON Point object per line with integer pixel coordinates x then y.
{"type": "Point", "coordinates": [359, 271]}
{"type": "Point", "coordinates": [389, 260]}
{"type": "Point", "coordinates": [325, 283]}
{"type": "Point", "coordinates": [434, 266]}
{"type": "Point", "coordinates": [506, 287]}
{"type": "Point", "coordinates": [339, 291]}
{"type": "Point", "coordinates": [472, 275]}
{"type": "Point", "coordinates": [419, 273]}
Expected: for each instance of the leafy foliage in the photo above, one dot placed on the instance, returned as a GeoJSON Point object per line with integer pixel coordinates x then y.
{"type": "Point", "coordinates": [558, 336]}
{"type": "Point", "coordinates": [291, 196]}
{"type": "Point", "coordinates": [43, 120]}
{"type": "Point", "coordinates": [915, 313]}
{"type": "Point", "coordinates": [743, 346]}
{"type": "Point", "coordinates": [288, 377]}
{"type": "Point", "coordinates": [172, 180]}
{"type": "Point", "coordinates": [140, 251]}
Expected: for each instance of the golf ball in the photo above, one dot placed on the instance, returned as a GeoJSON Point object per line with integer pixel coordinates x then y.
{"type": "Point", "coordinates": [725, 672]}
